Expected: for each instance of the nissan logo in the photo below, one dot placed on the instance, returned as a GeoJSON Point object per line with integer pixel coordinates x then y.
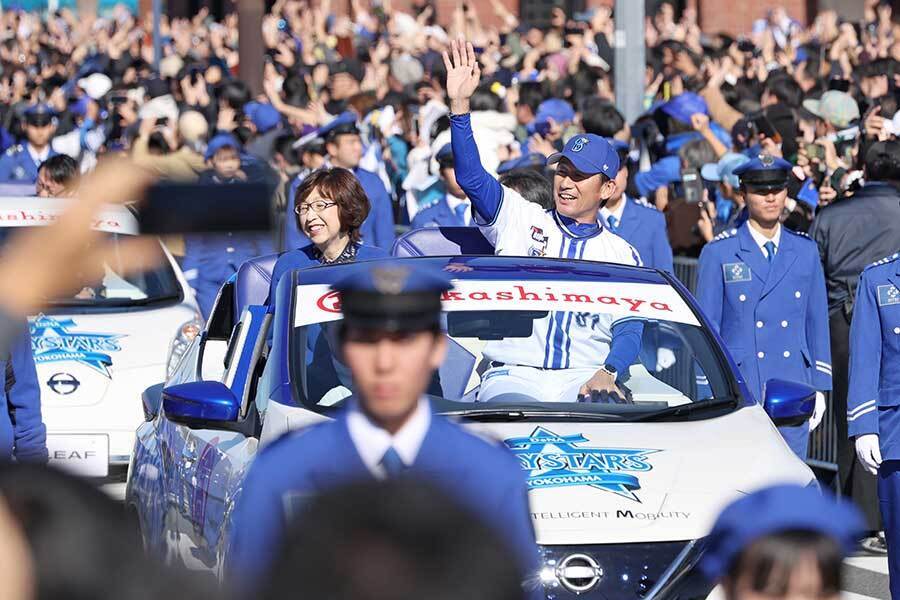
{"type": "Point", "coordinates": [579, 573]}
{"type": "Point", "coordinates": [63, 383]}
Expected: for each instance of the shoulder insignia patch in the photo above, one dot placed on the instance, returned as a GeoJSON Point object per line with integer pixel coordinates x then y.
{"type": "Point", "coordinates": [885, 260]}
{"type": "Point", "coordinates": [12, 151]}
{"type": "Point", "coordinates": [725, 235]}
{"type": "Point", "coordinates": [643, 202]}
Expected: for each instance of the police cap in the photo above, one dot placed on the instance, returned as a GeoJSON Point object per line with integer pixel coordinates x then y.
{"type": "Point", "coordinates": [343, 123]}
{"type": "Point", "coordinates": [392, 296]}
{"type": "Point", "coordinates": [39, 115]}
{"type": "Point", "coordinates": [765, 172]}
{"type": "Point", "coordinates": [774, 510]}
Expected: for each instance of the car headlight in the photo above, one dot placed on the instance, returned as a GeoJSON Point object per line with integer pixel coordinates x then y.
{"type": "Point", "coordinates": [181, 341]}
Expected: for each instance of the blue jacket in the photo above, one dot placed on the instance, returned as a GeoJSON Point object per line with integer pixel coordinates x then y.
{"type": "Point", "coordinates": [22, 431]}
{"type": "Point", "coordinates": [437, 214]}
{"type": "Point", "coordinates": [378, 228]}
{"type": "Point", "coordinates": [873, 400]}
{"type": "Point", "coordinates": [483, 477]}
{"type": "Point", "coordinates": [17, 165]}
{"type": "Point", "coordinates": [644, 227]}
{"type": "Point", "coordinates": [773, 317]}
{"type": "Point", "coordinates": [210, 259]}
{"type": "Point", "coordinates": [305, 257]}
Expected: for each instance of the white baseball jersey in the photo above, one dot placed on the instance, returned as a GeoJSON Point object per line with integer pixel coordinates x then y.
{"type": "Point", "coordinates": [562, 340]}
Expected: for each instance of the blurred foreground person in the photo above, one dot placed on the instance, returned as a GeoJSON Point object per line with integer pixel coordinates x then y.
{"type": "Point", "coordinates": [393, 540]}
{"type": "Point", "coordinates": [73, 542]}
{"type": "Point", "coordinates": [782, 542]}
{"type": "Point", "coordinates": [391, 340]}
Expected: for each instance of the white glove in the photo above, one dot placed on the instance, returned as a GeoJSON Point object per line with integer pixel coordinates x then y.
{"type": "Point", "coordinates": [665, 358]}
{"type": "Point", "coordinates": [818, 412]}
{"type": "Point", "coordinates": [868, 452]}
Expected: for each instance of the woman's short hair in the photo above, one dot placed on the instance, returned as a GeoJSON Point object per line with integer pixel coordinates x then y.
{"type": "Point", "coordinates": [340, 186]}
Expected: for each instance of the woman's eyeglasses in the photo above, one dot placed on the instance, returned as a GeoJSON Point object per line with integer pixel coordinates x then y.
{"type": "Point", "coordinates": [318, 206]}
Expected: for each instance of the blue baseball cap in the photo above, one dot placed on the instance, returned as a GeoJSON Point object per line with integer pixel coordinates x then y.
{"type": "Point", "coordinates": [554, 108]}
{"type": "Point", "coordinates": [341, 124]}
{"type": "Point", "coordinates": [764, 171]}
{"type": "Point", "coordinates": [527, 161]}
{"type": "Point", "coordinates": [265, 117]}
{"type": "Point", "coordinates": [724, 169]}
{"type": "Point", "coordinates": [774, 510]}
{"type": "Point", "coordinates": [682, 106]}
{"type": "Point", "coordinates": [222, 140]}
{"type": "Point", "coordinates": [392, 295]}
{"type": "Point", "coordinates": [590, 154]}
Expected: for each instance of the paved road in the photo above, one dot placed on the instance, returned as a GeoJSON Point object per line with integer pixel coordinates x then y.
{"type": "Point", "coordinates": [866, 577]}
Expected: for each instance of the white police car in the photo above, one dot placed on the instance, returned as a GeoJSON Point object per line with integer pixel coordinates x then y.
{"type": "Point", "coordinates": [621, 495]}
{"type": "Point", "coordinates": [96, 351]}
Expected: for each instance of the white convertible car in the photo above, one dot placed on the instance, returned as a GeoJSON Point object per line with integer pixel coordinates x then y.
{"type": "Point", "coordinates": [96, 351]}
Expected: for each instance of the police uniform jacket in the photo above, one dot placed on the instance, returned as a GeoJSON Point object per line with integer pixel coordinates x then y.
{"type": "Point", "coordinates": [23, 435]}
{"type": "Point", "coordinates": [644, 227]}
{"type": "Point", "coordinates": [873, 402]}
{"type": "Point", "coordinates": [772, 316]}
{"type": "Point", "coordinates": [482, 477]}
{"type": "Point", "coordinates": [378, 228]}
{"type": "Point", "coordinates": [18, 165]}
{"type": "Point", "coordinates": [437, 214]}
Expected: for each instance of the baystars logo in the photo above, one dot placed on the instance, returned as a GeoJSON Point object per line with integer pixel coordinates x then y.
{"type": "Point", "coordinates": [579, 144]}
{"type": "Point", "coordinates": [53, 341]}
{"type": "Point", "coordinates": [554, 461]}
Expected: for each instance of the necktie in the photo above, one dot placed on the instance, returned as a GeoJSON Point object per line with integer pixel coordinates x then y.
{"type": "Point", "coordinates": [612, 222]}
{"type": "Point", "coordinates": [460, 211]}
{"type": "Point", "coordinates": [770, 250]}
{"type": "Point", "coordinates": [392, 463]}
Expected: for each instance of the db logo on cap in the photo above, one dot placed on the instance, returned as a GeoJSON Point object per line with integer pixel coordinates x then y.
{"type": "Point", "coordinates": [579, 144]}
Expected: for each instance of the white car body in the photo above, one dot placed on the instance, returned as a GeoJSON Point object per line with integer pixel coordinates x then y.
{"type": "Point", "coordinates": [93, 362]}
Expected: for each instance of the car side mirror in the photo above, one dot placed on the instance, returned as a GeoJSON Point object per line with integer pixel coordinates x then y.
{"type": "Point", "coordinates": [200, 402]}
{"type": "Point", "coordinates": [789, 403]}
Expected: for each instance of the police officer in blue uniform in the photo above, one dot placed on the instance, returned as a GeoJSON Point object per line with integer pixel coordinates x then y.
{"type": "Point", "coordinates": [873, 402]}
{"type": "Point", "coordinates": [762, 287]}
{"type": "Point", "coordinates": [344, 147]}
{"type": "Point", "coordinates": [23, 435]}
{"type": "Point", "coordinates": [20, 163]}
{"type": "Point", "coordinates": [392, 342]}
{"type": "Point", "coordinates": [451, 210]}
{"type": "Point", "coordinates": [639, 223]}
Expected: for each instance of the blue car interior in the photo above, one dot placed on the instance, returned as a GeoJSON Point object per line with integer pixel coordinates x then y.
{"type": "Point", "coordinates": [442, 241]}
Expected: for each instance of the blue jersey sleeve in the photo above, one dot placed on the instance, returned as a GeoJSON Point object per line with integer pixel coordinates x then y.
{"type": "Point", "coordinates": [480, 186]}
{"type": "Point", "coordinates": [626, 344]}
{"type": "Point", "coordinates": [24, 401]}
{"type": "Point", "coordinates": [663, 172]}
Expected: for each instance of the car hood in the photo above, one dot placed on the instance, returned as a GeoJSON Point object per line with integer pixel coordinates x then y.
{"type": "Point", "coordinates": [603, 483]}
{"type": "Point", "coordinates": [83, 358]}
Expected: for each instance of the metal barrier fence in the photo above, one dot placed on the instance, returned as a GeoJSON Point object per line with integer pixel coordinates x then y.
{"type": "Point", "coordinates": [823, 443]}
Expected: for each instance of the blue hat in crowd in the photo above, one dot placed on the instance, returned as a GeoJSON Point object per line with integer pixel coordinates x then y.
{"type": "Point", "coordinates": [392, 295]}
{"type": "Point", "coordinates": [444, 157]}
{"type": "Point", "coordinates": [724, 169]}
{"type": "Point", "coordinates": [265, 117]}
{"type": "Point", "coordinates": [774, 510]}
{"type": "Point", "coordinates": [764, 172]}
{"type": "Point", "coordinates": [40, 114]}
{"type": "Point", "coordinates": [590, 154]}
{"type": "Point", "coordinates": [554, 108]}
{"type": "Point", "coordinates": [528, 161]}
{"type": "Point", "coordinates": [341, 124]}
{"type": "Point", "coordinates": [222, 140]}
{"type": "Point", "coordinates": [682, 106]}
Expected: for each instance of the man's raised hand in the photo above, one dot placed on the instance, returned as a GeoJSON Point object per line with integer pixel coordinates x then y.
{"type": "Point", "coordinates": [463, 74]}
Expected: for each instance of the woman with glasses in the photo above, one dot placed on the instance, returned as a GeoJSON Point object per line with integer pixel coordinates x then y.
{"type": "Point", "coordinates": [330, 207]}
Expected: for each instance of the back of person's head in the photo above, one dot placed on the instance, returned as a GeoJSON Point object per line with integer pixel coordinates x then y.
{"type": "Point", "coordinates": [531, 185]}
{"type": "Point", "coordinates": [601, 117]}
{"type": "Point", "coordinates": [234, 93]}
{"type": "Point", "coordinates": [785, 89]}
{"type": "Point", "coordinates": [82, 545]}
{"type": "Point", "coordinates": [695, 154]}
{"type": "Point", "coordinates": [531, 95]}
{"type": "Point", "coordinates": [883, 162]}
{"type": "Point", "coordinates": [484, 99]}
{"type": "Point", "coordinates": [284, 145]}
{"type": "Point", "coordinates": [394, 540]}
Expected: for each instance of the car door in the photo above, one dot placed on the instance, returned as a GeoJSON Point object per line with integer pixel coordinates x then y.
{"type": "Point", "coordinates": [209, 462]}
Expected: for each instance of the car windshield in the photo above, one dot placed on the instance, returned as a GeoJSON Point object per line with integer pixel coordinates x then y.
{"type": "Point", "coordinates": [117, 289]}
{"type": "Point", "coordinates": [531, 345]}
